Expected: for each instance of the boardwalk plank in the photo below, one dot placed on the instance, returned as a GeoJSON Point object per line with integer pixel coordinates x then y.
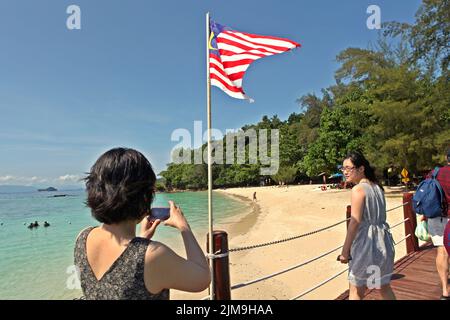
{"type": "Point", "coordinates": [415, 278]}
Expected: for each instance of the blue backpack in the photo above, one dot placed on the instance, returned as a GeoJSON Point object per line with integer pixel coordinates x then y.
{"type": "Point", "coordinates": [429, 197]}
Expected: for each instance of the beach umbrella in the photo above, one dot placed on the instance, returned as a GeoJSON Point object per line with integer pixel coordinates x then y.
{"type": "Point", "coordinates": [336, 175]}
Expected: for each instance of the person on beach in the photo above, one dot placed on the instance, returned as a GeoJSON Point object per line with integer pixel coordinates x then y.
{"type": "Point", "coordinates": [369, 246]}
{"type": "Point", "coordinates": [113, 262]}
{"type": "Point", "coordinates": [254, 196]}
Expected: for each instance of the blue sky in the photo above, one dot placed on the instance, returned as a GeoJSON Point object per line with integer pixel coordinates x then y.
{"type": "Point", "coordinates": [135, 72]}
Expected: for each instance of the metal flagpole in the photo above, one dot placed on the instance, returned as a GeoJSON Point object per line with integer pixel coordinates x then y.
{"type": "Point", "coordinates": [210, 208]}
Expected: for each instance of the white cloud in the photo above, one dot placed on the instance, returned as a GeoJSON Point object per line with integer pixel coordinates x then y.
{"type": "Point", "coordinates": [69, 178]}
{"type": "Point", "coordinates": [28, 181]}
{"type": "Point", "coordinates": [40, 181]}
{"type": "Point", "coordinates": [7, 178]}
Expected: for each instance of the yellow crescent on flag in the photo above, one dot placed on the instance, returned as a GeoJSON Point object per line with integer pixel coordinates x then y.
{"type": "Point", "coordinates": [211, 37]}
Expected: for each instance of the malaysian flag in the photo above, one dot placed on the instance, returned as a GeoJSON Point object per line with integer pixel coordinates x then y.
{"type": "Point", "coordinates": [231, 53]}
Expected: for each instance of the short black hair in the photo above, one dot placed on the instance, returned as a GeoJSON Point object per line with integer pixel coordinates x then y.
{"type": "Point", "coordinates": [120, 186]}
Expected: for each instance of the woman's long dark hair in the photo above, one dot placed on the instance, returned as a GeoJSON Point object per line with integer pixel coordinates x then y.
{"type": "Point", "coordinates": [358, 160]}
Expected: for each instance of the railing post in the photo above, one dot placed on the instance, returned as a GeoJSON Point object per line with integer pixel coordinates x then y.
{"type": "Point", "coordinates": [412, 243]}
{"type": "Point", "coordinates": [348, 214]}
{"type": "Point", "coordinates": [221, 265]}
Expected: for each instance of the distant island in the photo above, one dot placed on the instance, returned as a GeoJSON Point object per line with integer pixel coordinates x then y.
{"type": "Point", "coordinates": [8, 189]}
{"type": "Point", "coordinates": [48, 189]}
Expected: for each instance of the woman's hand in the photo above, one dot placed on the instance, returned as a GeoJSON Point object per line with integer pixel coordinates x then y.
{"type": "Point", "coordinates": [343, 259]}
{"type": "Point", "coordinates": [148, 228]}
{"type": "Point", "coordinates": [176, 219]}
{"type": "Point", "coordinates": [422, 217]}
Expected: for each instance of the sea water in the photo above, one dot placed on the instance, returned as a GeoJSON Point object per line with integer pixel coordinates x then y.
{"type": "Point", "coordinates": [36, 263]}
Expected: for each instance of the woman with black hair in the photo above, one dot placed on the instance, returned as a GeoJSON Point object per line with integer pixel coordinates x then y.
{"type": "Point", "coordinates": [115, 264]}
{"type": "Point", "coordinates": [369, 246]}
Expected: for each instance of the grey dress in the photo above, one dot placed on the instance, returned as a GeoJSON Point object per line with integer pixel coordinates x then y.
{"type": "Point", "coordinates": [373, 249]}
{"type": "Point", "coordinates": [124, 280]}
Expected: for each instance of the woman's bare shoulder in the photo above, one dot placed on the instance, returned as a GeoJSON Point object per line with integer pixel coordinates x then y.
{"type": "Point", "coordinates": [84, 230]}
{"type": "Point", "coordinates": [157, 249]}
{"type": "Point", "coordinates": [358, 190]}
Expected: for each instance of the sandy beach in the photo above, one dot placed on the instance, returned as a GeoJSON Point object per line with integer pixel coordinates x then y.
{"type": "Point", "coordinates": [280, 213]}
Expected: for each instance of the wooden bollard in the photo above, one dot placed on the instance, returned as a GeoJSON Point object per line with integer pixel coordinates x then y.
{"type": "Point", "coordinates": [348, 214]}
{"type": "Point", "coordinates": [412, 243]}
{"type": "Point", "coordinates": [221, 266]}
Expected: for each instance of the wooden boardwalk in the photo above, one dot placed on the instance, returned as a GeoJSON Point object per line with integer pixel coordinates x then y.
{"type": "Point", "coordinates": [415, 278]}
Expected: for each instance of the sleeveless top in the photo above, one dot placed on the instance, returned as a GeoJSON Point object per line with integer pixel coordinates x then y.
{"type": "Point", "coordinates": [124, 280]}
{"type": "Point", "coordinates": [373, 247]}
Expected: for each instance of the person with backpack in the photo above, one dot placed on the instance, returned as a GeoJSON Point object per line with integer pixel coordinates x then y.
{"type": "Point", "coordinates": [431, 202]}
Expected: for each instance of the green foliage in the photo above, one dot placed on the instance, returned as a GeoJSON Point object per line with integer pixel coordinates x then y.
{"type": "Point", "coordinates": [429, 37]}
{"type": "Point", "coordinates": [185, 176]}
{"type": "Point", "coordinates": [160, 186]}
{"type": "Point", "coordinates": [285, 174]}
{"type": "Point", "coordinates": [390, 101]}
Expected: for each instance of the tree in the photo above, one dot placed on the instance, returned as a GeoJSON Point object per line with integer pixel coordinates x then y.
{"type": "Point", "coordinates": [285, 174]}
{"type": "Point", "coordinates": [428, 37]}
{"type": "Point", "coordinates": [390, 101]}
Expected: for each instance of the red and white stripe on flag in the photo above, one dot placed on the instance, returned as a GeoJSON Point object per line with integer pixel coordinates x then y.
{"type": "Point", "coordinates": [235, 52]}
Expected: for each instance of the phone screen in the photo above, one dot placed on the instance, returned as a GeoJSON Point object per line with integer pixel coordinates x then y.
{"type": "Point", "coordinates": [159, 213]}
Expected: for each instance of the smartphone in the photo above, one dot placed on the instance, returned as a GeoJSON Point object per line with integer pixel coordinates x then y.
{"type": "Point", "coordinates": [339, 256]}
{"type": "Point", "coordinates": [159, 213]}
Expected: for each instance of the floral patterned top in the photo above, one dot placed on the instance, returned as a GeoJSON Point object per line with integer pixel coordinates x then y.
{"type": "Point", "coordinates": [124, 280]}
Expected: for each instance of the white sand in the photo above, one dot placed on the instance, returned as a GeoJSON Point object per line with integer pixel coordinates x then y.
{"type": "Point", "coordinates": [281, 213]}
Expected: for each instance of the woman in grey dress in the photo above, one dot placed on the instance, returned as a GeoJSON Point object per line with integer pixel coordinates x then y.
{"type": "Point", "coordinates": [368, 247]}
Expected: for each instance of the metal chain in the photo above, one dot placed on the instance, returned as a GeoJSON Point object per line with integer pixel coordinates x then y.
{"type": "Point", "coordinates": [244, 284]}
{"type": "Point", "coordinates": [287, 239]}
{"type": "Point", "coordinates": [299, 236]}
